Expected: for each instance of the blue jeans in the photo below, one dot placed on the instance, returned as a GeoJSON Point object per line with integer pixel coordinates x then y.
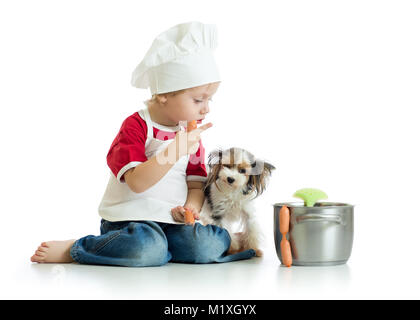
{"type": "Point", "coordinates": [149, 243]}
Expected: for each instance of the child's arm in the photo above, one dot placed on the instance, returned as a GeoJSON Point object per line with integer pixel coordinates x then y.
{"type": "Point", "coordinates": [194, 203]}
{"type": "Point", "coordinates": [148, 173]}
{"type": "Point", "coordinates": [195, 197]}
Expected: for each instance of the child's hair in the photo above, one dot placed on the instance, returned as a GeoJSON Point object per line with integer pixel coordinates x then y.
{"type": "Point", "coordinates": [154, 98]}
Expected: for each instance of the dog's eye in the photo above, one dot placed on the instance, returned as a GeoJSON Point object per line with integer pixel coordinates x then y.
{"type": "Point", "coordinates": [242, 171]}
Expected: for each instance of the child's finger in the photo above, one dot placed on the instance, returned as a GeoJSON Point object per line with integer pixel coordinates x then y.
{"type": "Point", "coordinates": [204, 127]}
{"type": "Point", "coordinates": [179, 208]}
{"type": "Point", "coordinates": [178, 216]}
{"type": "Point", "coordinates": [178, 213]}
{"type": "Point", "coordinates": [174, 210]}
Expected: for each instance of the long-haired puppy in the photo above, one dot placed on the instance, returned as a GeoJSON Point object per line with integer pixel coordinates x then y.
{"type": "Point", "coordinates": [236, 177]}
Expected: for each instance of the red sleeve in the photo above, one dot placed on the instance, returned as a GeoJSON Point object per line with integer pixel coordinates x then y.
{"type": "Point", "coordinates": [196, 169]}
{"type": "Point", "coordinates": [128, 148]}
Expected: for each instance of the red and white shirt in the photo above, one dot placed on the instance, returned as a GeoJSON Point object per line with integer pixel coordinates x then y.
{"type": "Point", "coordinates": [139, 139]}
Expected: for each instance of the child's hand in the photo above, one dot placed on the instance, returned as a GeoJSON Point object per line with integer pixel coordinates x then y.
{"type": "Point", "coordinates": [178, 213]}
{"type": "Point", "coordinates": [188, 142]}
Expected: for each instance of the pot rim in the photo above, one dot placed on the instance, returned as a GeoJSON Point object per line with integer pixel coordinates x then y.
{"type": "Point", "coordinates": [318, 205]}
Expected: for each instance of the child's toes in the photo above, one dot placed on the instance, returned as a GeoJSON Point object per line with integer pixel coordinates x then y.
{"type": "Point", "coordinates": [42, 249]}
{"type": "Point", "coordinates": [40, 253]}
{"type": "Point", "coordinates": [36, 258]}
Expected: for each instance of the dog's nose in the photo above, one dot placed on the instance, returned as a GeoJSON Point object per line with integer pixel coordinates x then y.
{"type": "Point", "coordinates": [230, 180]}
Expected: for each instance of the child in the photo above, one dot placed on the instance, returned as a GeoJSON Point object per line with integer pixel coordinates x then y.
{"type": "Point", "coordinates": [157, 167]}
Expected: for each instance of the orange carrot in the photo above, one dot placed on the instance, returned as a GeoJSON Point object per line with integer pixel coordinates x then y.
{"type": "Point", "coordinates": [189, 217]}
{"type": "Point", "coordinates": [191, 125]}
{"type": "Point", "coordinates": [286, 251]}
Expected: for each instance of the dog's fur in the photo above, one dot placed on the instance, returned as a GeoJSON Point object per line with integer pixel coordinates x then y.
{"type": "Point", "coordinates": [235, 178]}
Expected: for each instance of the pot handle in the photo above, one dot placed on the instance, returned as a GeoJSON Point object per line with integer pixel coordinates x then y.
{"type": "Point", "coordinates": [320, 217]}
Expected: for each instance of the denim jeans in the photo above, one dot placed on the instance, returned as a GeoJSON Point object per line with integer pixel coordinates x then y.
{"type": "Point", "coordinates": [149, 243]}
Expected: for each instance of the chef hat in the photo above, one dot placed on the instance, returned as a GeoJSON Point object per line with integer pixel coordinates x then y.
{"type": "Point", "coordinates": [179, 58]}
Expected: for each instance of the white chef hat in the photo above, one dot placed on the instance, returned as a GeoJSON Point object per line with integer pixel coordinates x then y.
{"type": "Point", "coordinates": [179, 58]}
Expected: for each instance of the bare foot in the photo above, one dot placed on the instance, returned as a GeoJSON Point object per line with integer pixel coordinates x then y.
{"type": "Point", "coordinates": [54, 251]}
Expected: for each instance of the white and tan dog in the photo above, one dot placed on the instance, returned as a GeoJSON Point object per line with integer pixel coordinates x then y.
{"type": "Point", "coordinates": [235, 178]}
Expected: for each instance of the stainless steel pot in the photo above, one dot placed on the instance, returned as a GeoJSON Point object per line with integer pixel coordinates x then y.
{"type": "Point", "coordinates": [321, 235]}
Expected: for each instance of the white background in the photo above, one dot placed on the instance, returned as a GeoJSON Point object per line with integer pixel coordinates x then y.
{"type": "Point", "coordinates": [327, 91]}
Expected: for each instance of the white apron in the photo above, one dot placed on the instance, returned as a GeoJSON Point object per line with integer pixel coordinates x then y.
{"type": "Point", "coordinates": [119, 203]}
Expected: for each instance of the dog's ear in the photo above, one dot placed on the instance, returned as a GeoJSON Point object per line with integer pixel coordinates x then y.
{"type": "Point", "coordinates": [213, 174]}
{"type": "Point", "coordinates": [259, 181]}
{"type": "Point", "coordinates": [215, 165]}
{"type": "Point", "coordinates": [268, 168]}
{"type": "Point", "coordinates": [215, 157]}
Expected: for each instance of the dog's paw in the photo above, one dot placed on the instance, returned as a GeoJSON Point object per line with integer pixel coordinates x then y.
{"type": "Point", "coordinates": [259, 253]}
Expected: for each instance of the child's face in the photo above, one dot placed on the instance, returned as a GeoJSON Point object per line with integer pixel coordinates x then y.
{"type": "Point", "coordinates": [193, 104]}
